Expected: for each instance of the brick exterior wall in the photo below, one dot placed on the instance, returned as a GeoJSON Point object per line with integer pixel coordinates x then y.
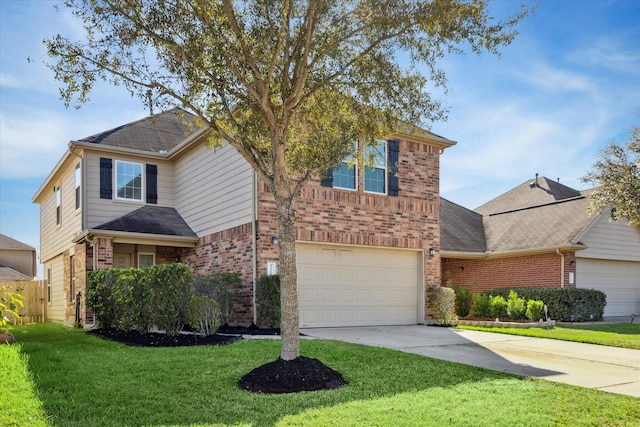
{"type": "Point", "coordinates": [328, 215]}
{"type": "Point", "coordinates": [231, 251]}
{"type": "Point", "coordinates": [540, 270]}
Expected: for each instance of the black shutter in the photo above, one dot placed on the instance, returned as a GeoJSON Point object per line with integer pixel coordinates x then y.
{"type": "Point", "coordinates": [394, 152]}
{"type": "Point", "coordinates": [327, 181]}
{"type": "Point", "coordinates": [152, 184]}
{"type": "Point", "coordinates": [106, 180]}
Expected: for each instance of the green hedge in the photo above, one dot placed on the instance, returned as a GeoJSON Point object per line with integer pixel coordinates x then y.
{"type": "Point", "coordinates": [166, 296]}
{"type": "Point", "coordinates": [564, 304]}
{"type": "Point", "coordinates": [268, 301]}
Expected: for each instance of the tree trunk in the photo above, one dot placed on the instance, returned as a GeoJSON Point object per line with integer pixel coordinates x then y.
{"type": "Point", "coordinates": [289, 326]}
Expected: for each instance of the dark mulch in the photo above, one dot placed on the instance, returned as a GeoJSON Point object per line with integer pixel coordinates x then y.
{"type": "Point", "coordinates": [154, 339]}
{"type": "Point", "coordinates": [300, 374]}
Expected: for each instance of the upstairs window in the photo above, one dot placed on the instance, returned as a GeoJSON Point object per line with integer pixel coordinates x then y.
{"type": "Point", "coordinates": [375, 175]}
{"type": "Point", "coordinates": [345, 175]}
{"type": "Point", "coordinates": [56, 190]}
{"type": "Point", "coordinates": [128, 181]}
{"type": "Point", "coordinates": [78, 186]}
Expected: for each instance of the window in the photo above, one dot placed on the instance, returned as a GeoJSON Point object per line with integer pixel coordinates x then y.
{"type": "Point", "coordinates": [78, 186]}
{"type": "Point", "coordinates": [146, 260]}
{"type": "Point", "coordinates": [345, 175]}
{"type": "Point", "coordinates": [375, 176]}
{"type": "Point", "coordinates": [58, 204]}
{"type": "Point", "coordinates": [128, 180]}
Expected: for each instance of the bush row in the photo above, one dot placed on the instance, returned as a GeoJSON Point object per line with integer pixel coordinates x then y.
{"type": "Point", "coordinates": [564, 304]}
{"type": "Point", "coordinates": [165, 296]}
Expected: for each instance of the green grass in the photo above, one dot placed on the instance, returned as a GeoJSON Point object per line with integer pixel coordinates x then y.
{"type": "Point", "coordinates": [625, 335]}
{"type": "Point", "coordinates": [19, 404]}
{"type": "Point", "coordinates": [85, 381]}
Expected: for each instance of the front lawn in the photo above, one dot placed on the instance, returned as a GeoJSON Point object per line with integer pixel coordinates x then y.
{"type": "Point", "coordinates": [82, 380]}
{"type": "Point", "coordinates": [625, 335]}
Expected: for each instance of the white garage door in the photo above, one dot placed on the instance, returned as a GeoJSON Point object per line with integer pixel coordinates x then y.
{"type": "Point", "coordinates": [619, 280]}
{"type": "Point", "coordinates": [355, 286]}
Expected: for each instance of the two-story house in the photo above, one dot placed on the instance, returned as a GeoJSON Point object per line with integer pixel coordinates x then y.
{"type": "Point", "coordinates": [151, 191]}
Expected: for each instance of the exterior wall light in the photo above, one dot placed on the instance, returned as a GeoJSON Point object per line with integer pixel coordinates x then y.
{"type": "Point", "coordinates": [275, 240]}
{"type": "Point", "coordinates": [432, 251]}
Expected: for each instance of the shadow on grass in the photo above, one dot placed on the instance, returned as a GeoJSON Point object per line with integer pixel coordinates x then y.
{"type": "Point", "coordinates": [83, 380]}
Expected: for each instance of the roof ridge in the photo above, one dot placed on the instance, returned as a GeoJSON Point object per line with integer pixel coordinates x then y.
{"type": "Point", "coordinates": [557, 202]}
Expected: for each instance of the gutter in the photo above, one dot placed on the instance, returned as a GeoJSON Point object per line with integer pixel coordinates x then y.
{"type": "Point", "coordinates": [513, 253]}
{"type": "Point", "coordinates": [561, 267]}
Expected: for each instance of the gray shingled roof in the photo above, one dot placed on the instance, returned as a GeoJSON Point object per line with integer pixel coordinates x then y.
{"type": "Point", "coordinates": [533, 192]}
{"type": "Point", "coordinates": [7, 242]}
{"type": "Point", "coordinates": [8, 274]}
{"type": "Point", "coordinates": [552, 225]}
{"type": "Point", "coordinates": [528, 217]}
{"type": "Point", "coordinates": [461, 229]}
{"type": "Point", "coordinates": [155, 133]}
{"type": "Point", "coordinates": [152, 220]}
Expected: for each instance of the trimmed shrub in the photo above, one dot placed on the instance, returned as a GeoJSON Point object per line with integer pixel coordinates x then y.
{"type": "Point", "coordinates": [515, 306]}
{"type": "Point", "coordinates": [204, 314]}
{"type": "Point", "coordinates": [464, 300]}
{"type": "Point", "coordinates": [268, 301]}
{"type": "Point", "coordinates": [99, 296]}
{"type": "Point", "coordinates": [222, 287]}
{"type": "Point", "coordinates": [442, 304]}
{"type": "Point", "coordinates": [564, 304]}
{"type": "Point", "coordinates": [498, 306]}
{"type": "Point", "coordinates": [534, 310]}
{"type": "Point", "coordinates": [480, 305]}
{"type": "Point", "coordinates": [172, 286]}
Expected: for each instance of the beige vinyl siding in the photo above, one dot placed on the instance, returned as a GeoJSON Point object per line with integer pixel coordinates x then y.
{"type": "Point", "coordinates": [614, 240]}
{"type": "Point", "coordinates": [214, 189]}
{"type": "Point", "coordinates": [100, 210]}
{"type": "Point", "coordinates": [54, 238]}
{"type": "Point", "coordinates": [56, 309]}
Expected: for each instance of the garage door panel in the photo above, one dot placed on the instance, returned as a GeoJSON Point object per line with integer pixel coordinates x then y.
{"type": "Point", "coordinates": [357, 287]}
{"type": "Point", "coordinates": [619, 280]}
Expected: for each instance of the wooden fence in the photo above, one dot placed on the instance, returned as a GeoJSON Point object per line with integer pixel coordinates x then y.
{"type": "Point", "coordinates": [35, 307]}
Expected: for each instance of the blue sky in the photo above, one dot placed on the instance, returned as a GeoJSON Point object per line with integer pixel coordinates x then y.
{"type": "Point", "coordinates": [566, 86]}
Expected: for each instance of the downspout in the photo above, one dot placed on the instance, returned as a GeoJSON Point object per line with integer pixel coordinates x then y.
{"type": "Point", "coordinates": [561, 267]}
{"type": "Point", "coordinates": [254, 215]}
{"type": "Point", "coordinates": [91, 243]}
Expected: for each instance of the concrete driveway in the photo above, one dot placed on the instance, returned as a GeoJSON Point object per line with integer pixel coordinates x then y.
{"type": "Point", "coordinates": [616, 370]}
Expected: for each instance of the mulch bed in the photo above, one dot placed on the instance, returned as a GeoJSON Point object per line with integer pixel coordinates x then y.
{"type": "Point", "coordinates": [300, 374]}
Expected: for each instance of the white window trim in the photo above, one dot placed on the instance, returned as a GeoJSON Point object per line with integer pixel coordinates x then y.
{"type": "Point", "coordinates": [355, 167]}
{"type": "Point", "coordinates": [385, 170]}
{"type": "Point", "coordinates": [78, 186]}
{"type": "Point", "coordinates": [142, 182]}
{"type": "Point", "coordinates": [153, 256]}
{"type": "Point", "coordinates": [57, 191]}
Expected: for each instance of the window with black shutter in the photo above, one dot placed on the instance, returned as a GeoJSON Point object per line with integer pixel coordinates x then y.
{"type": "Point", "coordinates": [106, 180]}
{"type": "Point", "coordinates": [152, 184]}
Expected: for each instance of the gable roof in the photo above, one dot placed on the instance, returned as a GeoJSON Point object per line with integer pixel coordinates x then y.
{"type": "Point", "coordinates": [7, 242]}
{"type": "Point", "coordinates": [158, 133]}
{"type": "Point", "coordinates": [538, 192]}
{"type": "Point", "coordinates": [150, 220]}
{"type": "Point", "coordinates": [536, 216]}
{"type": "Point", "coordinates": [461, 229]}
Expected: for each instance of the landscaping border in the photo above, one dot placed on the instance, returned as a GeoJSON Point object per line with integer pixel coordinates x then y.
{"type": "Point", "coordinates": [498, 324]}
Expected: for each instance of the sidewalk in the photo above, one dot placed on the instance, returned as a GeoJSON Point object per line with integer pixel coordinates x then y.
{"type": "Point", "coordinates": [612, 369]}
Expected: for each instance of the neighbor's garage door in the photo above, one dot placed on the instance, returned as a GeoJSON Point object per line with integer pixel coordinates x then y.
{"type": "Point", "coordinates": [355, 286]}
{"type": "Point", "coordinates": [619, 280]}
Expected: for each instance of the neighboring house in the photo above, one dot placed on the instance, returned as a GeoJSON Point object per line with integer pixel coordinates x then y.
{"type": "Point", "coordinates": [151, 192]}
{"type": "Point", "coordinates": [17, 261]}
{"type": "Point", "coordinates": [539, 234]}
